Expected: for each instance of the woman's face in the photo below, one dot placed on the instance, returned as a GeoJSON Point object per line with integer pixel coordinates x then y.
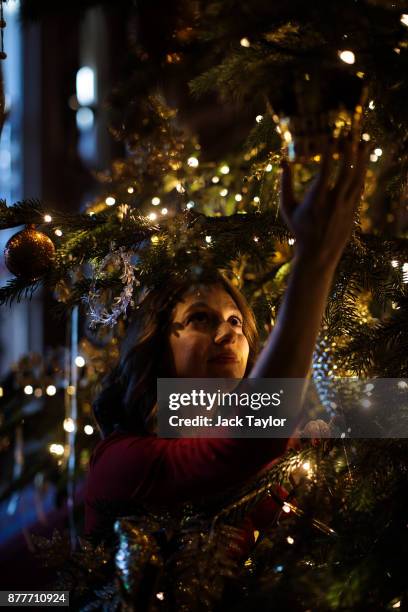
{"type": "Point", "coordinates": [206, 338]}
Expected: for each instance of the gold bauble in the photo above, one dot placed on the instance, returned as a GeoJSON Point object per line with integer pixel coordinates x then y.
{"type": "Point", "coordinates": [29, 253]}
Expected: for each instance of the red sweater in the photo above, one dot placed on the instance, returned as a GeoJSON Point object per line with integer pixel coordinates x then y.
{"type": "Point", "coordinates": [128, 469]}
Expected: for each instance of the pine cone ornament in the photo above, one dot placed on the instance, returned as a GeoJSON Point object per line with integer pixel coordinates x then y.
{"type": "Point", "coordinates": [29, 254]}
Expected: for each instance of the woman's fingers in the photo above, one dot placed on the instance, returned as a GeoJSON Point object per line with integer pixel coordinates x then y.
{"type": "Point", "coordinates": [357, 184]}
{"type": "Point", "coordinates": [322, 185]}
{"type": "Point", "coordinates": [348, 167]}
{"type": "Point", "coordinates": [288, 201]}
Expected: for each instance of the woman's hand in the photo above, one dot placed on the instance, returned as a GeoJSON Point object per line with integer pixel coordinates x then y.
{"type": "Point", "coordinates": [322, 223]}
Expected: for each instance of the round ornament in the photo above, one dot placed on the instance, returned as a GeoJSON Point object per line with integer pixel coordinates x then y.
{"type": "Point", "coordinates": [29, 253]}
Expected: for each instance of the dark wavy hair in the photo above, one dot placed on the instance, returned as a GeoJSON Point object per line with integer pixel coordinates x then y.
{"type": "Point", "coordinates": [128, 394]}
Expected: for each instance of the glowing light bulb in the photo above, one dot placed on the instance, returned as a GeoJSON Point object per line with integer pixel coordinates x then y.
{"type": "Point", "coordinates": [395, 263]}
{"type": "Point", "coordinates": [88, 429]}
{"type": "Point", "coordinates": [371, 105]}
{"type": "Point", "coordinates": [180, 188]}
{"type": "Point", "coordinates": [373, 157]}
{"type": "Point", "coordinates": [347, 57]}
{"type": "Point", "coordinates": [290, 540]}
{"type": "Point", "coordinates": [286, 508]}
{"type": "Point", "coordinates": [257, 199]}
{"type": "Point", "coordinates": [215, 179]}
{"type": "Point", "coordinates": [224, 169]}
{"type": "Point", "coordinates": [79, 361]}
{"type": "Point", "coordinates": [366, 137]}
{"type": "Point", "coordinates": [69, 425]}
{"type": "Point", "coordinates": [56, 449]}
{"type": "Point", "coordinates": [1, 392]}
{"type": "Point", "coordinates": [378, 152]}
{"type": "Point", "coordinates": [164, 211]}
{"type": "Point", "coordinates": [208, 239]}
{"type": "Point", "coordinates": [155, 201]}
{"type": "Point", "coordinates": [291, 241]}
{"type": "Point", "coordinates": [306, 466]}
{"type": "Point", "coordinates": [190, 204]}
{"type": "Point", "coordinates": [71, 390]}
{"type": "Point", "coordinates": [58, 232]}
{"type": "Point", "coordinates": [47, 218]}
{"type": "Point", "coordinates": [154, 239]}
{"type": "Point", "coordinates": [130, 190]}
{"type": "Point", "coordinates": [224, 192]}
{"type": "Point", "coordinates": [193, 162]}
{"type": "Point", "coordinates": [238, 197]}
{"type": "Point", "coordinates": [244, 42]}
{"type": "Point", "coordinates": [110, 201]}
{"type": "Point", "coordinates": [28, 390]}
{"type": "Point", "coordinates": [405, 273]}
{"type": "Point", "coordinates": [258, 118]}
{"type": "Point", "coordinates": [51, 390]}
{"type": "Point", "coordinates": [404, 19]}
{"type": "Point", "coordinates": [256, 239]}
{"type": "Point", "coordinates": [268, 168]}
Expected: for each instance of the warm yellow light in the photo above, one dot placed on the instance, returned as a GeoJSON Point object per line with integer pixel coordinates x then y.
{"type": "Point", "coordinates": [88, 429]}
{"type": "Point", "coordinates": [286, 508]}
{"type": "Point", "coordinates": [154, 239]}
{"type": "Point", "coordinates": [180, 188]}
{"type": "Point", "coordinates": [373, 157]}
{"type": "Point", "coordinates": [306, 466]}
{"type": "Point", "coordinates": [69, 425]}
{"type": "Point", "coordinates": [51, 390]}
{"type": "Point", "coordinates": [238, 197]}
{"type": "Point", "coordinates": [257, 199]}
{"type": "Point", "coordinates": [28, 390]}
{"type": "Point", "coordinates": [58, 232]}
{"type": "Point", "coordinates": [269, 168]}
{"type": "Point", "coordinates": [224, 169]}
{"type": "Point", "coordinates": [371, 105]}
{"type": "Point", "coordinates": [47, 218]}
{"type": "Point", "coordinates": [193, 162]}
{"type": "Point", "coordinates": [258, 118]}
{"type": "Point", "coordinates": [215, 179]}
{"type": "Point", "coordinates": [378, 152]}
{"type": "Point", "coordinates": [130, 190]}
{"type": "Point", "coordinates": [366, 137]}
{"type": "Point", "coordinates": [155, 201]}
{"type": "Point", "coordinates": [152, 216]}
{"type": "Point", "coordinates": [208, 239]}
{"type": "Point", "coordinates": [56, 449]}
{"type": "Point", "coordinates": [164, 211]}
{"type": "Point", "coordinates": [244, 42]}
{"type": "Point", "coordinates": [110, 201]}
{"type": "Point", "coordinates": [347, 57]}
{"type": "Point", "coordinates": [224, 192]}
{"type": "Point", "coordinates": [71, 390]}
{"type": "Point", "coordinates": [79, 361]}
{"type": "Point", "coordinates": [395, 263]}
{"type": "Point", "coordinates": [290, 540]}
{"type": "Point", "coordinates": [1, 392]}
{"type": "Point", "coordinates": [190, 204]}
{"type": "Point", "coordinates": [404, 19]}
{"type": "Point", "coordinates": [291, 241]}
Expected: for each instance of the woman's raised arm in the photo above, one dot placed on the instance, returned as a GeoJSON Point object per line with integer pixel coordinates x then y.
{"type": "Point", "coordinates": [322, 225]}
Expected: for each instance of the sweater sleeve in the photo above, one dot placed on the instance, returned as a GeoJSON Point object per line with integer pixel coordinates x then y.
{"type": "Point", "coordinates": [160, 471]}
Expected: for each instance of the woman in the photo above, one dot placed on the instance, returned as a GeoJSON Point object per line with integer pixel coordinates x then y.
{"type": "Point", "coordinates": [207, 330]}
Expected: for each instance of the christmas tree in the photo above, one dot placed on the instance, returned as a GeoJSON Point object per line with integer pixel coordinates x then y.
{"type": "Point", "coordinates": [272, 80]}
